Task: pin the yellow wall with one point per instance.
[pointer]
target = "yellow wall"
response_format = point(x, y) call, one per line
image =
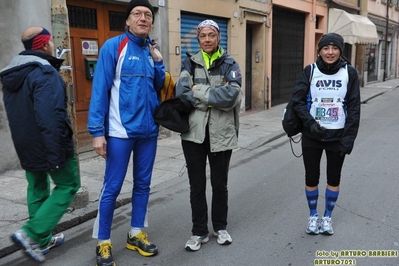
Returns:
point(218, 8)
point(239, 14)
point(259, 16)
point(312, 9)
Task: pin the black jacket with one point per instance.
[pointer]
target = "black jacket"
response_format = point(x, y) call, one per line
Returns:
point(35, 102)
point(345, 137)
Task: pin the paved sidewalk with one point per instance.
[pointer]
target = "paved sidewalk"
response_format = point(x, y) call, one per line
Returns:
point(256, 129)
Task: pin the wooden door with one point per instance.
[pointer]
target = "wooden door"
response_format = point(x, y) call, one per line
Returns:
point(91, 24)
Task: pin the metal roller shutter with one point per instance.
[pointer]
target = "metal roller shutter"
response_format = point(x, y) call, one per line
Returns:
point(287, 57)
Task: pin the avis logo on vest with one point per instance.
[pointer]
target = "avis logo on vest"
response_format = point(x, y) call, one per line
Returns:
point(329, 83)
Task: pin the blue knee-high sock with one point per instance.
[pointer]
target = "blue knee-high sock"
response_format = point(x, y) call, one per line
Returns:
point(312, 197)
point(331, 198)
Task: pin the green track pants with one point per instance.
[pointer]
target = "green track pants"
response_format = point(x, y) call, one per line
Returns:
point(47, 207)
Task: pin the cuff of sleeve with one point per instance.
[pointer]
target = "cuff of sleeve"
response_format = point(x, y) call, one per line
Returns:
point(97, 134)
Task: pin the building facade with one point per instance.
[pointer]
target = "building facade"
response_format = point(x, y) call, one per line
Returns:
point(382, 57)
point(271, 40)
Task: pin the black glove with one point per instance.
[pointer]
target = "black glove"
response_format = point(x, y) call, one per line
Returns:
point(342, 150)
point(317, 131)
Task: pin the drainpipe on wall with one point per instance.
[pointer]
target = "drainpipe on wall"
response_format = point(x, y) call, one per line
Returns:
point(266, 94)
point(386, 42)
point(313, 18)
point(360, 55)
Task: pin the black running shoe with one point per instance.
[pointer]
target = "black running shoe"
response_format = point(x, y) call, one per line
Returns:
point(140, 243)
point(104, 254)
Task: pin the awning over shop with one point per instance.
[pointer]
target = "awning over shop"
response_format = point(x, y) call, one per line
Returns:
point(353, 28)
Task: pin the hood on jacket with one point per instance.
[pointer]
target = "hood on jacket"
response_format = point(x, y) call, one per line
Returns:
point(13, 75)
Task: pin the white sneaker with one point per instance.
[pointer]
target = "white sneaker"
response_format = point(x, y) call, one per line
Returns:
point(223, 237)
point(56, 240)
point(31, 248)
point(326, 226)
point(313, 225)
point(194, 243)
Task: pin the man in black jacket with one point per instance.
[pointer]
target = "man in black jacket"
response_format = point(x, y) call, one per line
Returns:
point(35, 102)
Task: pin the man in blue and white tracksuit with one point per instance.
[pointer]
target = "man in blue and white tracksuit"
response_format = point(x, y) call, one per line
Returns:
point(127, 80)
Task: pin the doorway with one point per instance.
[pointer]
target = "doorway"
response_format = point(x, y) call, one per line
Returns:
point(288, 52)
point(91, 24)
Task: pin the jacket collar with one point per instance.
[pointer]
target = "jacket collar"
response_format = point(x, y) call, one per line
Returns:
point(199, 59)
point(139, 41)
point(55, 62)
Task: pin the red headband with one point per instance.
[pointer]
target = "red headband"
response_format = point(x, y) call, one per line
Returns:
point(39, 41)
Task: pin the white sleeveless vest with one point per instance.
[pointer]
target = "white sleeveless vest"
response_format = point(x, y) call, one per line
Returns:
point(327, 94)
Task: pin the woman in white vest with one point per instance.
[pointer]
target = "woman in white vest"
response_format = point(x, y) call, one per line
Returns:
point(327, 99)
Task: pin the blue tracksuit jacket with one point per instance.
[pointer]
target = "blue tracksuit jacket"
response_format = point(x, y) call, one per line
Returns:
point(125, 89)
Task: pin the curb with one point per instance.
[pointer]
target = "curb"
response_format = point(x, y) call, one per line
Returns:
point(66, 225)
